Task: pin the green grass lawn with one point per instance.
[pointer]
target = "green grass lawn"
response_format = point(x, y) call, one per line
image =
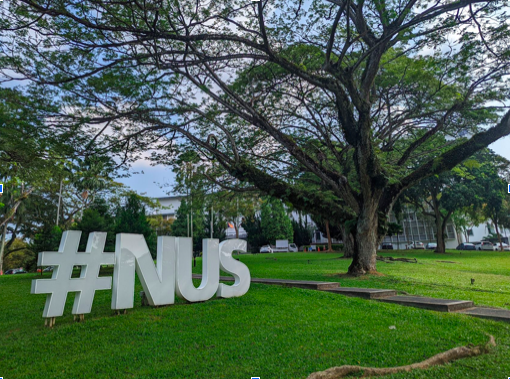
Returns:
point(491, 271)
point(271, 332)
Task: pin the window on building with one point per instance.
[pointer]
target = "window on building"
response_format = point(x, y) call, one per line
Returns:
point(450, 232)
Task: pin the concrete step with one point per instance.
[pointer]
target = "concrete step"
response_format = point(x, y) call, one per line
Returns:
point(365, 293)
point(284, 282)
point(440, 305)
point(490, 313)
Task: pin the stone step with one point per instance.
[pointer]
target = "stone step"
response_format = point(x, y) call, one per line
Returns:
point(490, 313)
point(284, 282)
point(365, 293)
point(440, 305)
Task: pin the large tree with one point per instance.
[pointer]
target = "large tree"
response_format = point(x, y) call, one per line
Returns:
point(349, 91)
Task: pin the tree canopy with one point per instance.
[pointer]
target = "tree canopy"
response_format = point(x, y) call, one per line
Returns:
point(349, 92)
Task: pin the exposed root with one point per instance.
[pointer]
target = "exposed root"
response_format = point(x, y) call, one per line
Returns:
point(438, 359)
point(391, 259)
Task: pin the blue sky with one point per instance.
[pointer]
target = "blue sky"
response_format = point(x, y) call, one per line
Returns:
point(155, 181)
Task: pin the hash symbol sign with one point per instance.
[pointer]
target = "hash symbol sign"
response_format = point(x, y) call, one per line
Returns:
point(65, 259)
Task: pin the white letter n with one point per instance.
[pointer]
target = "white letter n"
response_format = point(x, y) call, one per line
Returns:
point(131, 252)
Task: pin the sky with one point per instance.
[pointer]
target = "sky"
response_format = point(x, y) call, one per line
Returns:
point(147, 180)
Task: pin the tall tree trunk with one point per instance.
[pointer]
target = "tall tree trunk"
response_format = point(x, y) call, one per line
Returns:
point(366, 239)
point(330, 246)
point(441, 248)
point(499, 235)
point(348, 240)
point(2, 247)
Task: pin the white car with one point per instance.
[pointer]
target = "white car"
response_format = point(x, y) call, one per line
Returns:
point(497, 247)
point(266, 249)
point(417, 245)
point(486, 245)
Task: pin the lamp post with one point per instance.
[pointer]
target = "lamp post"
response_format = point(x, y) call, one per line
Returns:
point(59, 201)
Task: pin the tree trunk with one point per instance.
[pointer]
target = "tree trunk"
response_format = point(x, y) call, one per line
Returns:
point(348, 240)
point(499, 235)
point(440, 249)
point(330, 246)
point(2, 247)
point(366, 240)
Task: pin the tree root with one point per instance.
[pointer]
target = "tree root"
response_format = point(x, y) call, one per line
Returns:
point(438, 359)
point(391, 259)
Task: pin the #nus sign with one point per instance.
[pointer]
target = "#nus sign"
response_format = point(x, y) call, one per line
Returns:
point(171, 275)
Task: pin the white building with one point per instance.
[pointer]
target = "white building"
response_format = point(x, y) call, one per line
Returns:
point(420, 228)
point(480, 232)
point(169, 206)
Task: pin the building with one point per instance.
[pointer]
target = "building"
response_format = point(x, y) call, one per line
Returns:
point(420, 228)
point(483, 231)
point(169, 206)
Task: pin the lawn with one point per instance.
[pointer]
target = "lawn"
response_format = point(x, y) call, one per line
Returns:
point(271, 332)
point(429, 277)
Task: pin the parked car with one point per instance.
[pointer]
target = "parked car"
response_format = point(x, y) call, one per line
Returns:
point(497, 246)
point(466, 246)
point(266, 249)
point(431, 246)
point(13, 271)
point(293, 247)
point(477, 245)
point(48, 269)
point(486, 245)
point(417, 245)
point(387, 246)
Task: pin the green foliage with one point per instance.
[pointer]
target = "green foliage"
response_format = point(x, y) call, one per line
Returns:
point(160, 225)
point(181, 227)
point(48, 239)
point(274, 221)
point(17, 255)
point(132, 218)
point(256, 237)
point(97, 218)
point(302, 232)
point(394, 229)
point(219, 223)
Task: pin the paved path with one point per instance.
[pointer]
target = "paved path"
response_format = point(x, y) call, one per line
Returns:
point(389, 296)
